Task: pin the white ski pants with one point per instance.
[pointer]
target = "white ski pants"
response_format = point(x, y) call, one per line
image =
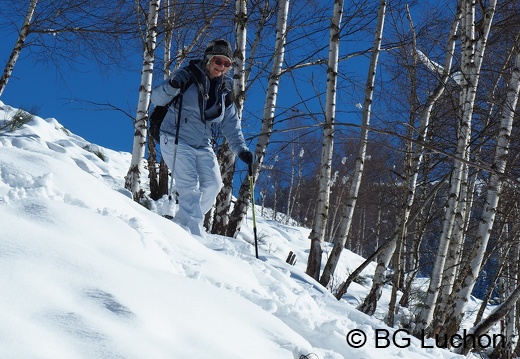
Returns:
point(197, 181)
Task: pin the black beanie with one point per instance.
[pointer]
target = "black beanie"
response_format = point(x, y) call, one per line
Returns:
point(218, 47)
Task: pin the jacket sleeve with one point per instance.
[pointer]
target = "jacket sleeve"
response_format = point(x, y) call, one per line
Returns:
point(163, 93)
point(232, 130)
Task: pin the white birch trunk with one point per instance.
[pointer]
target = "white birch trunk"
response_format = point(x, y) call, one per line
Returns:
point(453, 258)
point(321, 214)
point(22, 36)
point(225, 155)
point(348, 209)
point(167, 60)
point(494, 317)
point(168, 37)
point(244, 197)
point(412, 176)
point(159, 176)
point(453, 267)
point(133, 177)
point(409, 192)
point(493, 191)
point(239, 74)
point(510, 328)
point(471, 64)
point(507, 284)
point(291, 184)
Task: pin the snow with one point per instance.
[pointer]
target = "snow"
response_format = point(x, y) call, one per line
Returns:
point(438, 68)
point(88, 273)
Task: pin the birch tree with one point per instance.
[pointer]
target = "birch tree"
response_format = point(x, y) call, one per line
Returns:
point(472, 57)
point(268, 116)
point(67, 33)
point(506, 311)
point(505, 284)
point(455, 264)
point(159, 177)
point(224, 222)
point(493, 318)
point(494, 187)
point(317, 234)
point(408, 174)
point(290, 198)
point(225, 155)
point(412, 165)
point(348, 209)
point(167, 61)
point(133, 177)
point(510, 282)
point(22, 36)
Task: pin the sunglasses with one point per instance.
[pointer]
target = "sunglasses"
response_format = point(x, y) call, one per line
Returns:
point(221, 62)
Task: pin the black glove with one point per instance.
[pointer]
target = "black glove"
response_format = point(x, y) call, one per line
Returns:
point(179, 78)
point(247, 157)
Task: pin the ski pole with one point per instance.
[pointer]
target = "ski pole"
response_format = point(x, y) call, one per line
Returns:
point(173, 167)
point(176, 143)
point(251, 188)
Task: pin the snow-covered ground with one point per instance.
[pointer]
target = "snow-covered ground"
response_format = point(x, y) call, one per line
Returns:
point(85, 272)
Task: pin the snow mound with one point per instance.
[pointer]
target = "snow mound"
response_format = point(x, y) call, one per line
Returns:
point(88, 273)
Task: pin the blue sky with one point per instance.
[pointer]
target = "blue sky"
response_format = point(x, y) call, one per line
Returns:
point(67, 95)
point(62, 96)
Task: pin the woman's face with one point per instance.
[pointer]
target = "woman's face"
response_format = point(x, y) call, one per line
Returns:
point(218, 66)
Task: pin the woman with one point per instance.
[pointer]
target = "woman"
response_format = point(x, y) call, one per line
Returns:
point(206, 99)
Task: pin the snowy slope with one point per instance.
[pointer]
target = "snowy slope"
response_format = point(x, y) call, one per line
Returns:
point(88, 273)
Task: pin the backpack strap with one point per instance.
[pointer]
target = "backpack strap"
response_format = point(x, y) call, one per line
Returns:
point(229, 99)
